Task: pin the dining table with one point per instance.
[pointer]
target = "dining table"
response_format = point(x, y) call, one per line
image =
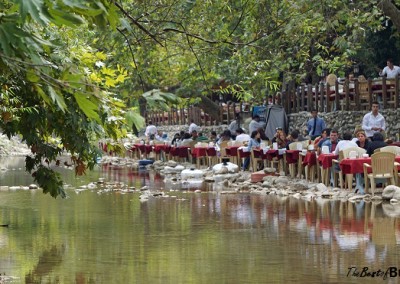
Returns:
point(355, 166)
point(293, 158)
point(325, 162)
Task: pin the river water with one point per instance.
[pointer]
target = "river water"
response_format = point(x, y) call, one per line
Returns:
point(188, 237)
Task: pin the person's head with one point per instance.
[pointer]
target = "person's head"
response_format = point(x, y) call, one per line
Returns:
point(294, 134)
point(334, 135)
point(256, 117)
point(326, 132)
point(389, 63)
point(194, 134)
point(213, 134)
point(237, 116)
point(314, 113)
point(361, 136)
point(150, 122)
point(347, 135)
point(192, 120)
point(226, 135)
point(375, 108)
point(239, 131)
point(255, 134)
point(377, 136)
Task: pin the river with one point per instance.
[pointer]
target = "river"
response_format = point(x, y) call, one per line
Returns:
point(188, 237)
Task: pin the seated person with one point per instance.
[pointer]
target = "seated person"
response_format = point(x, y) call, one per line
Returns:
point(213, 137)
point(176, 138)
point(293, 137)
point(194, 135)
point(321, 139)
point(332, 141)
point(253, 143)
point(263, 137)
point(241, 136)
point(280, 138)
point(362, 140)
point(376, 143)
point(202, 138)
point(345, 143)
point(225, 136)
point(161, 136)
point(187, 140)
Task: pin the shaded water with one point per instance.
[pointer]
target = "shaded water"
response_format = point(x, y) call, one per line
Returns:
point(189, 237)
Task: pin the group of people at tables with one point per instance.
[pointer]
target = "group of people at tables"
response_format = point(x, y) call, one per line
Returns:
point(370, 136)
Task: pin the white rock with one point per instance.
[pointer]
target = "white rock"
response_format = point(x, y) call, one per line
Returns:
point(232, 168)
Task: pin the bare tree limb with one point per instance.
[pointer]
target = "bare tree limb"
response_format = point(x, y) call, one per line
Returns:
point(119, 6)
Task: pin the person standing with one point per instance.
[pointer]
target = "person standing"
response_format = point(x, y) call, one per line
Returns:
point(255, 124)
point(151, 130)
point(234, 125)
point(192, 126)
point(373, 122)
point(390, 71)
point(315, 125)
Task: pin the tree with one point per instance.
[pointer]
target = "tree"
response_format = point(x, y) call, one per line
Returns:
point(55, 88)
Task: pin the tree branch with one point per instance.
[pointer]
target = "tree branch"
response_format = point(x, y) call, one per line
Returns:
point(390, 10)
point(119, 6)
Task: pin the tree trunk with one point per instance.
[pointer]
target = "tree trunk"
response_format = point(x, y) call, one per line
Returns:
point(210, 107)
point(390, 10)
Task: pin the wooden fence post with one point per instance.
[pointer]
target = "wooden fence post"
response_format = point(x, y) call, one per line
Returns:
point(384, 92)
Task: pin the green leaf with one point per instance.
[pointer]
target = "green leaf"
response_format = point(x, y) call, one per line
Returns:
point(42, 94)
point(34, 9)
point(134, 118)
point(32, 77)
point(63, 18)
point(87, 106)
point(58, 98)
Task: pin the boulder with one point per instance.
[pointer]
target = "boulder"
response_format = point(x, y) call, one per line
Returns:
point(232, 168)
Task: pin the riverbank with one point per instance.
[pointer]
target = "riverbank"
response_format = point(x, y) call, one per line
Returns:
point(13, 146)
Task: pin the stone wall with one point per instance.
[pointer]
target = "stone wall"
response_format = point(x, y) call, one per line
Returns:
point(341, 120)
point(347, 120)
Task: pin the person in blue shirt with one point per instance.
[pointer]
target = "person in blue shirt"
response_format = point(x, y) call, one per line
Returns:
point(332, 141)
point(254, 142)
point(315, 125)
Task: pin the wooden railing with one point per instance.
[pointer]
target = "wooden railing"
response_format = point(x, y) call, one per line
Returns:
point(227, 113)
point(350, 95)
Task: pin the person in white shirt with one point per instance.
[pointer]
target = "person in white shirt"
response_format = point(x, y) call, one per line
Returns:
point(235, 124)
point(255, 124)
point(345, 143)
point(373, 121)
point(390, 71)
point(151, 130)
point(241, 136)
point(192, 126)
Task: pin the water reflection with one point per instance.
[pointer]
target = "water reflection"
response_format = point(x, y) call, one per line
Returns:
point(191, 238)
